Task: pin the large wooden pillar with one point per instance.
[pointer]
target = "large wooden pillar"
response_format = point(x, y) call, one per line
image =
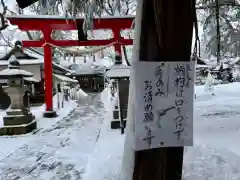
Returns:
point(48, 73)
point(163, 33)
point(117, 37)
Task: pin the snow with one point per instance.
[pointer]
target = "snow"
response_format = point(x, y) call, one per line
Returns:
point(64, 18)
point(215, 155)
point(65, 78)
point(104, 62)
point(15, 142)
point(24, 62)
point(81, 94)
point(114, 73)
point(79, 143)
point(2, 113)
point(89, 61)
point(15, 72)
point(108, 162)
point(31, 79)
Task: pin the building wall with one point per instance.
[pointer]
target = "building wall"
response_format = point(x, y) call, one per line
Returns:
point(35, 69)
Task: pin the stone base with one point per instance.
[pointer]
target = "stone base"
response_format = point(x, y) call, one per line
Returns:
point(50, 114)
point(116, 114)
point(116, 124)
point(18, 129)
point(17, 119)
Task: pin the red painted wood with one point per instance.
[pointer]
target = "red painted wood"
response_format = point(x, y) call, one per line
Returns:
point(48, 73)
point(28, 23)
point(117, 37)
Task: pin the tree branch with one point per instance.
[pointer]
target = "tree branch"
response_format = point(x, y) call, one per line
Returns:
point(214, 6)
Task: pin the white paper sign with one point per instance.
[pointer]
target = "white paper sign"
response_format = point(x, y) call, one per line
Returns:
point(164, 104)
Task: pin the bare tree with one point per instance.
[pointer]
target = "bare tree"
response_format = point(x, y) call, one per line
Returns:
point(126, 7)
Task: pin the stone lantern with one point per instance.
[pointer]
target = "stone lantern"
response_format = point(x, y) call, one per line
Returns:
point(18, 119)
point(120, 74)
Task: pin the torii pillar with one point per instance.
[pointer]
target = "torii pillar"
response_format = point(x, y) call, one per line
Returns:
point(49, 112)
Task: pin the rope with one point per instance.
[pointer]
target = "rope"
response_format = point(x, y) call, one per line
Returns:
point(131, 28)
point(78, 51)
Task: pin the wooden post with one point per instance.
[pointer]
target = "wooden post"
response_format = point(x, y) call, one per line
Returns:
point(74, 58)
point(163, 33)
point(58, 90)
point(218, 32)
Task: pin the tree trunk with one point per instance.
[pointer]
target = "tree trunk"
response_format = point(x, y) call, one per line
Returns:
point(163, 32)
point(218, 35)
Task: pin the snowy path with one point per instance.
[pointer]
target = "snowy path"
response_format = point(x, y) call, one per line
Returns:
point(59, 152)
point(82, 146)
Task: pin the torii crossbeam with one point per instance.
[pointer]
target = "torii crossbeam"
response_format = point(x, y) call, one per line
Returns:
point(47, 24)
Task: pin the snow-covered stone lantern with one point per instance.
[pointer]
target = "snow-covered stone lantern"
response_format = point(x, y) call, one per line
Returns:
point(18, 119)
point(119, 75)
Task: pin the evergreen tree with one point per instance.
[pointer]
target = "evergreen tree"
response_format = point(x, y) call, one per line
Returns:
point(229, 16)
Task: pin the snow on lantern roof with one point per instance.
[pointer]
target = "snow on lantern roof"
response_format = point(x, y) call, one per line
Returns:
point(14, 70)
point(118, 66)
point(24, 62)
point(118, 73)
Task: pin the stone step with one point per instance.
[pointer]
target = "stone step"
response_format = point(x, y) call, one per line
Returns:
point(19, 129)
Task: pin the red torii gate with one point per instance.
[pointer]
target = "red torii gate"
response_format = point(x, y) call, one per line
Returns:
point(46, 24)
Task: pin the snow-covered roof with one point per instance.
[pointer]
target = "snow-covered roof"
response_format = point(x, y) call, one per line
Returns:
point(61, 67)
point(89, 69)
point(118, 73)
point(118, 70)
point(103, 62)
point(224, 66)
point(65, 78)
point(28, 51)
point(23, 62)
point(31, 79)
point(235, 61)
point(199, 66)
point(119, 66)
point(15, 72)
point(36, 57)
point(63, 17)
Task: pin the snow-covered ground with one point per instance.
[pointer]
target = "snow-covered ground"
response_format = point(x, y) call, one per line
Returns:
point(216, 151)
point(82, 145)
point(11, 144)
